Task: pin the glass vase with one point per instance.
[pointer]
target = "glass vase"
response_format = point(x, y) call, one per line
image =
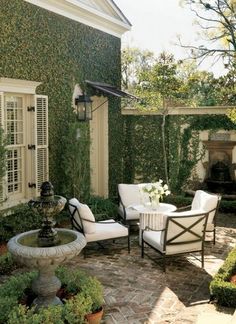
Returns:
point(155, 201)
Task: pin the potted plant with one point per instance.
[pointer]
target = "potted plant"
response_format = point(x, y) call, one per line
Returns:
point(89, 286)
point(92, 288)
point(86, 296)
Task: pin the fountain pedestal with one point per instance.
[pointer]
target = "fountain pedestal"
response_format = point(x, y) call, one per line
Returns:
point(24, 249)
point(46, 248)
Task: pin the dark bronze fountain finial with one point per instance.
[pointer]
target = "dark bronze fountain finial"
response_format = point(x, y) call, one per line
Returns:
point(46, 189)
point(47, 205)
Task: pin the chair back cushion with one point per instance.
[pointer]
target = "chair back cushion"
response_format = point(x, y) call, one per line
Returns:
point(206, 202)
point(185, 233)
point(131, 194)
point(87, 219)
point(82, 215)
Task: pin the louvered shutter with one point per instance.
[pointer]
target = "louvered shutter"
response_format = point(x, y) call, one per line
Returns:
point(2, 181)
point(40, 160)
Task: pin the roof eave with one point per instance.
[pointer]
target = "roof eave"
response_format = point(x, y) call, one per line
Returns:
point(86, 15)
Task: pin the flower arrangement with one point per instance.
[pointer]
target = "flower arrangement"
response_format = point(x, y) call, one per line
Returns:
point(156, 191)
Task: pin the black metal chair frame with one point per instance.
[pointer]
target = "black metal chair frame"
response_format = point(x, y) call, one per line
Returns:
point(80, 228)
point(170, 242)
point(188, 207)
point(124, 220)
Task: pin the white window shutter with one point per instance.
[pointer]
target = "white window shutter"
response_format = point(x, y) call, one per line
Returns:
point(1, 109)
point(40, 162)
point(2, 181)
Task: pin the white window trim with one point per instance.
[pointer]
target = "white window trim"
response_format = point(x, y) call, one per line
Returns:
point(28, 89)
point(18, 86)
point(87, 15)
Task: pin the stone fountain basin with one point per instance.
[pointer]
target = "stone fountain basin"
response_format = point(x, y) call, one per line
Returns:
point(39, 257)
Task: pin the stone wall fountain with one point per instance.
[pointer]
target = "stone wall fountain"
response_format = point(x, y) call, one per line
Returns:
point(46, 248)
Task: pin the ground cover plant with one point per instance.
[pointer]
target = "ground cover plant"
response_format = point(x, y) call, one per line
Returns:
point(82, 294)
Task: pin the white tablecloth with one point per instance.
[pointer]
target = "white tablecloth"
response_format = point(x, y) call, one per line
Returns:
point(153, 218)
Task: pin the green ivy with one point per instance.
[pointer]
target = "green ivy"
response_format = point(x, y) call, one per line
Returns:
point(39, 45)
point(142, 153)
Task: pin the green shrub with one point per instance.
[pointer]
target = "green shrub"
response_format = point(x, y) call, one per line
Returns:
point(102, 208)
point(221, 289)
point(76, 308)
point(88, 297)
point(79, 281)
point(178, 201)
point(7, 264)
point(21, 219)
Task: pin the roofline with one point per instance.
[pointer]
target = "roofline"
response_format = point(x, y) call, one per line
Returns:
point(86, 15)
point(121, 13)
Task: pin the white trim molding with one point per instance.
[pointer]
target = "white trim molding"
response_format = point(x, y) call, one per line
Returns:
point(207, 110)
point(18, 86)
point(110, 21)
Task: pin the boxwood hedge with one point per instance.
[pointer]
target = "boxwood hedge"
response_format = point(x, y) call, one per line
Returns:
point(221, 289)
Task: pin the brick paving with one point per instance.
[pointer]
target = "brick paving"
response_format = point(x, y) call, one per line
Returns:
point(137, 291)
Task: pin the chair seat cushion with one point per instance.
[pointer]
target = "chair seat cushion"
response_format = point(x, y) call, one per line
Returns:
point(131, 214)
point(105, 231)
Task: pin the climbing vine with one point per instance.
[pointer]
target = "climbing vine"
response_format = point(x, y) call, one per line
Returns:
point(143, 143)
point(39, 45)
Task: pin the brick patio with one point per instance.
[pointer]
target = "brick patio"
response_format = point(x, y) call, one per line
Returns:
point(137, 290)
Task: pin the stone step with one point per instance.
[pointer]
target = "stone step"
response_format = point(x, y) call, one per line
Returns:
point(216, 318)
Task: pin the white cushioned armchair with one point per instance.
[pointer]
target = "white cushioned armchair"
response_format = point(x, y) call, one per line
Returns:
point(208, 202)
point(129, 196)
point(83, 220)
point(184, 233)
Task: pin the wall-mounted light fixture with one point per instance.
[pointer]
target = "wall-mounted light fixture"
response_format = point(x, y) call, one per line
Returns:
point(83, 103)
point(83, 107)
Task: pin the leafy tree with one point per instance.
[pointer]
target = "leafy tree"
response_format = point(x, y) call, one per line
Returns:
point(217, 21)
point(134, 61)
point(157, 87)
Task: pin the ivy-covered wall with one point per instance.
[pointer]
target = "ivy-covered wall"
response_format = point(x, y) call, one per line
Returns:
point(38, 45)
point(143, 154)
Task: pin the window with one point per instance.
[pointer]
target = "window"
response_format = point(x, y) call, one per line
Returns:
point(24, 119)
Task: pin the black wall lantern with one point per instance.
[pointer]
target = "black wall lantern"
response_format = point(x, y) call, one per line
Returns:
point(83, 103)
point(83, 107)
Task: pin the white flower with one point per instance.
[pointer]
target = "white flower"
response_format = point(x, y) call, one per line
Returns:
point(156, 190)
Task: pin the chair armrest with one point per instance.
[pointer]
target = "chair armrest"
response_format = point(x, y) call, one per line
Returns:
point(184, 208)
point(107, 222)
point(123, 206)
point(88, 220)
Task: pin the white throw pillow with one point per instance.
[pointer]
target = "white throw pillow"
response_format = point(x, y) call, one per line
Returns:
point(87, 215)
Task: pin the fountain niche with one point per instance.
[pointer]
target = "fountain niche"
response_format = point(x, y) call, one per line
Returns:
point(44, 249)
point(220, 176)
